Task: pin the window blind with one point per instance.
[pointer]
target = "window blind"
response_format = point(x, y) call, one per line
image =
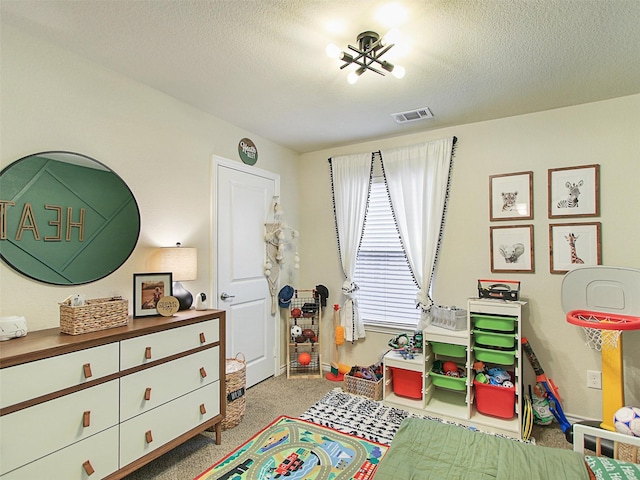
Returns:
point(387, 291)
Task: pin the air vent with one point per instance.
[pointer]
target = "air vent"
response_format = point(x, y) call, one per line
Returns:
point(412, 115)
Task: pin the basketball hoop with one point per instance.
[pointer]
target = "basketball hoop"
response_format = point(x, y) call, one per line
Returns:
point(602, 329)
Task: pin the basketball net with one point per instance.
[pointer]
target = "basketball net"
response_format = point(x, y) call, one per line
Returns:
point(597, 338)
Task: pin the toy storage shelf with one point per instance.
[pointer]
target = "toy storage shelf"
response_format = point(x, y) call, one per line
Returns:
point(497, 323)
point(456, 399)
point(448, 397)
point(308, 341)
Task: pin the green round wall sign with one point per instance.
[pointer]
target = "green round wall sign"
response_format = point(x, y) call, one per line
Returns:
point(248, 151)
point(65, 218)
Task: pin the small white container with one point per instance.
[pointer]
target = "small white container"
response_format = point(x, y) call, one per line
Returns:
point(12, 327)
point(451, 318)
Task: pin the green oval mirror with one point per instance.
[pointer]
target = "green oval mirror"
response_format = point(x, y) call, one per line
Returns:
point(65, 218)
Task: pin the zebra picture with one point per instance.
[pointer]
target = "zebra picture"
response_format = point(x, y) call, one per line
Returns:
point(572, 199)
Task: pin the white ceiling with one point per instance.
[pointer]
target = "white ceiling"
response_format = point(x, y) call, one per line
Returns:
point(261, 65)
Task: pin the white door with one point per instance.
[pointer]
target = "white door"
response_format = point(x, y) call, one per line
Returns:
point(244, 202)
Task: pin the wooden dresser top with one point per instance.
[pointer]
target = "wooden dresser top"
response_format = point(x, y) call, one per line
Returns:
point(51, 342)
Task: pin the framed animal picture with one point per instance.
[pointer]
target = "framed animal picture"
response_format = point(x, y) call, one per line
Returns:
point(572, 245)
point(510, 196)
point(574, 191)
point(512, 249)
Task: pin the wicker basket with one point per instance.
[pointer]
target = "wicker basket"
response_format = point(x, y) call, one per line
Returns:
point(360, 386)
point(96, 314)
point(627, 453)
point(236, 379)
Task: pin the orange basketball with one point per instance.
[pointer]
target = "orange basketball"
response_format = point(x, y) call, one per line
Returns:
point(304, 359)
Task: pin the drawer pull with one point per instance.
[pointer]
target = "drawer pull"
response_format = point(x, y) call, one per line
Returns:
point(88, 468)
point(203, 410)
point(86, 419)
point(86, 368)
point(147, 353)
point(202, 338)
point(148, 436)
point(203, 372)
point(147, 394)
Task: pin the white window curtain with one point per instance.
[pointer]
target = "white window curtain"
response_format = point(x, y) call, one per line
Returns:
point(351, 181)
point(417, 178)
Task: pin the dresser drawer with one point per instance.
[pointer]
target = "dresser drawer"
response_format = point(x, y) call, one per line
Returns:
point(144, 433)
point(148, 348)
point(147, 389)
point(100, 450)
point(56, 373)
point(37, 431)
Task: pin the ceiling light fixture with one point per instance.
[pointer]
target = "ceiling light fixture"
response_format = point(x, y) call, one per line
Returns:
point(369, 50)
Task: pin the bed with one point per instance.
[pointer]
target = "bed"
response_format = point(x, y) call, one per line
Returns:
point(431, 450)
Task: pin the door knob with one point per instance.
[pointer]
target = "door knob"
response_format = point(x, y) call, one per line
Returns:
point(226, 296)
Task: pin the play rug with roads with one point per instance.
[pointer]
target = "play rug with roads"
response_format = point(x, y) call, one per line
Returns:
point(296, 449)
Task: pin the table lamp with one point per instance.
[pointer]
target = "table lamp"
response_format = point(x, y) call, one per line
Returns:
point(182, 262)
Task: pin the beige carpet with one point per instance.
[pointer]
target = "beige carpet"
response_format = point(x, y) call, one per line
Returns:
point(265, 402)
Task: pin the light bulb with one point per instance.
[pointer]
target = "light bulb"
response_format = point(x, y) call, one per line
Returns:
point(352, 78)
point(333, 51)
point(398, 71)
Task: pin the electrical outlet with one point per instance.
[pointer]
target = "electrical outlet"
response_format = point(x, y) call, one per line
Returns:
point(594, 379)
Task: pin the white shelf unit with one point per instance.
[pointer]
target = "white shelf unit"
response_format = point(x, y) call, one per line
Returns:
point(459, 405)
point(512, 310)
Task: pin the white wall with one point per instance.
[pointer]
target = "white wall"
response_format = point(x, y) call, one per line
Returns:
point(54, 100)
point(606, 133)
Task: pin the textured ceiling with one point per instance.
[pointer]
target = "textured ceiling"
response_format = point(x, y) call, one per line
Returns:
point(261, 65)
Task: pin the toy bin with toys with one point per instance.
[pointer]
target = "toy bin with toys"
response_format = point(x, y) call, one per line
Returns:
point(496, 400)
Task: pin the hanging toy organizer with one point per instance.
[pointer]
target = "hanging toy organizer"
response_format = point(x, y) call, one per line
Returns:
point(604, 302)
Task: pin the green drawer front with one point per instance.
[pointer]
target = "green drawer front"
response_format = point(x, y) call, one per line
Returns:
point(501, 357)
point(448, 349)
point(493, 322)
point(450, 383)
point(493, 339)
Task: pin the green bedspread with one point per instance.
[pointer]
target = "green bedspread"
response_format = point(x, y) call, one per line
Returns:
point(431, 450)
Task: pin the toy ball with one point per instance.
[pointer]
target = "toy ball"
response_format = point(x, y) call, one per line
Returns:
point(304, 359)
point(296, 313)
point(450, 367)
point(627, 421)
point(507, 384)
point(296, 330)
point(308, 333)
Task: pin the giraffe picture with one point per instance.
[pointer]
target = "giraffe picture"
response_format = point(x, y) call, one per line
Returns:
point(574, 191)
point(573, 245)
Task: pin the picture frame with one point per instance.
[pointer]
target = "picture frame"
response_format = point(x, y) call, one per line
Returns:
point(511, 249)
point(511, 196)
point(148, 288)
point(574, 244)
point(574, 191)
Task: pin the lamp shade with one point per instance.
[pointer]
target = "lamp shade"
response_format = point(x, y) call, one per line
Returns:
point(182, 262)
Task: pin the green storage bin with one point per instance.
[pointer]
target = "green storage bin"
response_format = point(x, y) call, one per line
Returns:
point(450, 383)
point(494, 339)
point(493, 322)
point(448, 349)
point(490, 355)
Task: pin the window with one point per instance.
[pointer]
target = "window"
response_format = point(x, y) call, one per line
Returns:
point(387, 290)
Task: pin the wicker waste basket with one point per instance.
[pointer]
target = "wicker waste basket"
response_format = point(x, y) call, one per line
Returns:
point(236, 379)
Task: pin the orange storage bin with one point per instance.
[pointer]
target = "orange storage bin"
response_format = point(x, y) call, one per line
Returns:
point(407, 383)
point(495, 400)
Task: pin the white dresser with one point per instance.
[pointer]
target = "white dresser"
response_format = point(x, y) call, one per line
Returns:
point(102, 404)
